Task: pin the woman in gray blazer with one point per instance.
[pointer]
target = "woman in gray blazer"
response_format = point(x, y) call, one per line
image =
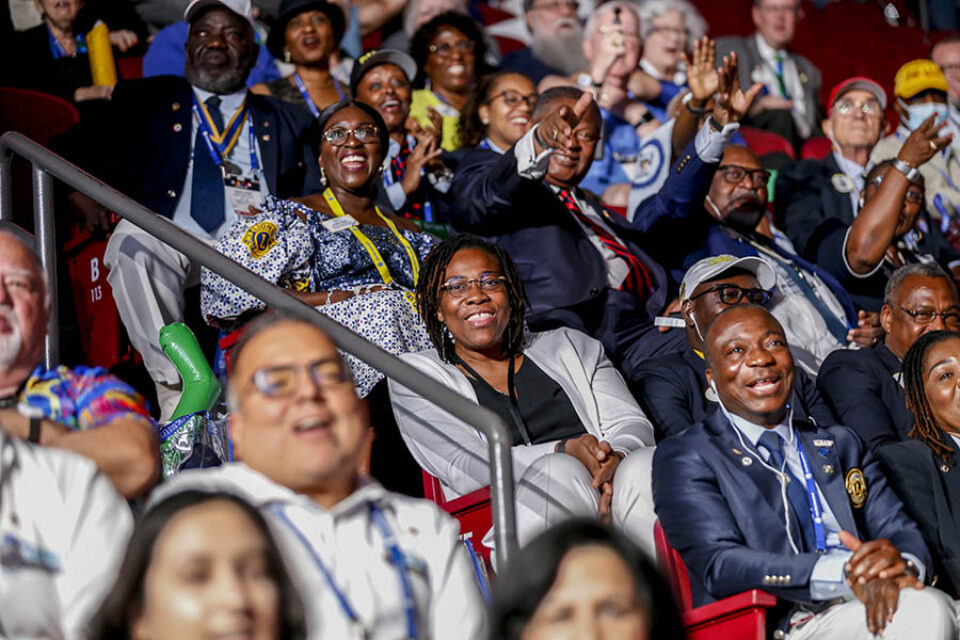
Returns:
point(574, 423)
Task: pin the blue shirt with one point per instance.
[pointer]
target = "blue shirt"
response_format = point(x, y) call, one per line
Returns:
point(166, 56)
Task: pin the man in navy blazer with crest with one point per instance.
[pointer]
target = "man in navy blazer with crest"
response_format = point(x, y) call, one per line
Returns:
point(755, 499)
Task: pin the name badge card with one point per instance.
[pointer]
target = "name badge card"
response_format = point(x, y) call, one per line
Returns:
point(339, 223)
point(243, 192)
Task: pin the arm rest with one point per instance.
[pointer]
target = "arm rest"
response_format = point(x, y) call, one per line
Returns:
point(739, 603)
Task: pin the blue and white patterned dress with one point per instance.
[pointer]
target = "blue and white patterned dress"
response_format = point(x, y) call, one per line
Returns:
point(294, 253)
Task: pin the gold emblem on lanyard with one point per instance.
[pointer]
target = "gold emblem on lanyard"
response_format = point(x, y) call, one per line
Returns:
point(856, 485)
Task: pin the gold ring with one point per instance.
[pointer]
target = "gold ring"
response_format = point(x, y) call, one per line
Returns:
point(556, 134)
point(933, 145)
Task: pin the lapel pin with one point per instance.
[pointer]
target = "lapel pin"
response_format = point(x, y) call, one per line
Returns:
point(944, 468)
point(828, 469)
point(823, 443)
point(736, 451)
point(746, 461)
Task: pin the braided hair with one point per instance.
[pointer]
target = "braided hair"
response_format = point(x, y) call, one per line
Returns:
point(925, 426)
point(431, 278)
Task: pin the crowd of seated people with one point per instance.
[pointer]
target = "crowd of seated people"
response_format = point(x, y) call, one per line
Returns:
point(758, 355)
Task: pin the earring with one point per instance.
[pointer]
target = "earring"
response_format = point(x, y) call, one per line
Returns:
point(286, 56)
point(485, 122)
point(323, 176)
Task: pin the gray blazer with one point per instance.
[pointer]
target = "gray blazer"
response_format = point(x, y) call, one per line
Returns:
point(749, 59)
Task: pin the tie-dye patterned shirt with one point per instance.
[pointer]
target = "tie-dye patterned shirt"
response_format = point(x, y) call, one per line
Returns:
point(79, 398)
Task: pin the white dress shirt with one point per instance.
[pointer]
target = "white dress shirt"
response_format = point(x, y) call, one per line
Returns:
point(351, 546)
point(239, 155)
point(791, 80)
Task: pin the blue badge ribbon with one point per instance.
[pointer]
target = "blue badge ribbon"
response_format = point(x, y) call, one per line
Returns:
point(813, 498)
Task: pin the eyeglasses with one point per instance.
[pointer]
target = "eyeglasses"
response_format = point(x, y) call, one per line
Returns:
point(283, 380)
point(460, 287)
point(558, 6)
point(513, 98)
point(949, 67)
point(913, 195)
point(365, 133)
point(732, 294)
point(780, 10)
point(445, 49)
point(848, 107)
point(951, 318)
point(734, 174)
point(669, 31)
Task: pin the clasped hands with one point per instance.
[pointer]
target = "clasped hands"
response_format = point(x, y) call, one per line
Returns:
point(601, 462)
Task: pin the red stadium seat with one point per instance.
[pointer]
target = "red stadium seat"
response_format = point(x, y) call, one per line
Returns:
point(39, 116)
point(765, 142)
point(473, 511)
point(742, 616)
point(816, 148)
point(131, 67)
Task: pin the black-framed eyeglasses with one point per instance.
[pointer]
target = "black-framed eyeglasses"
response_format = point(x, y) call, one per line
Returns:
point(732, 294)
point(365, 133)
point(283, 380)
point(445, 49)
point(912, 195)
point(512, 98)
point(734, 174)
point(460, 287)
point(950, 317)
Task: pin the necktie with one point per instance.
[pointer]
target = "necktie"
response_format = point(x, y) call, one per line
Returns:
point(778, 70)
point(413, 208)
point(206, 193)
point(796, 494)
point(638, 280)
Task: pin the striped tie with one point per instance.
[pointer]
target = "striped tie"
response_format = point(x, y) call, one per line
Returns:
point(778, 70)
point(638, 280)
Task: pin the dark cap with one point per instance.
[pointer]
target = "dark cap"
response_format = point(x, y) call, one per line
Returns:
point(289, 9)
point(377, 57)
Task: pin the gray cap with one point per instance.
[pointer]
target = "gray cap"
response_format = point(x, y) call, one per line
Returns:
point(240, 7)
point(710, 268)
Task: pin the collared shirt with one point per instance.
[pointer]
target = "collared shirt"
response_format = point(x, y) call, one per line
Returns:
point(827, 581)
point(351, 547)
point(678, 78)
point(791, 80)
point(856, 173)
point(63, 532)
point(240, 156)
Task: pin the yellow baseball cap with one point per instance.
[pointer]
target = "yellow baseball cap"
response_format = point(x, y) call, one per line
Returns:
point(917, 76)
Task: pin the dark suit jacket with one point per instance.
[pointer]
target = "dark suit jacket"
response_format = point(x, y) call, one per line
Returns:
point(748, 57)
point(726, 517)
point(31, 65)
point(861, 389)
point(807, 206)
point(565, 276)
point(523, 61)
point(930, 489)
point(673, 392)
point(147, 157)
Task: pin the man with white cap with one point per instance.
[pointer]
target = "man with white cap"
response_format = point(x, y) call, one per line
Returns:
point(200, 151)
point(810, 194)
point(673, 389)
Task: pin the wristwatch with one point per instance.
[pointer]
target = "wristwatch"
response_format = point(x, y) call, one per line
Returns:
point(586, 81)
point(905, 168)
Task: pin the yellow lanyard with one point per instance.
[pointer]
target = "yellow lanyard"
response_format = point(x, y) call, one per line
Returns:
point(372, 250)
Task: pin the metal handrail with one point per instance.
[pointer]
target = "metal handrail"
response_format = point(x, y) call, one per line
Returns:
point(47, 164)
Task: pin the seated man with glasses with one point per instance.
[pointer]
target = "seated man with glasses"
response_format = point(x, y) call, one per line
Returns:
point(814, 309)
point(865, 387)
point(891, 230)
point(673, 389)
point(369, 563)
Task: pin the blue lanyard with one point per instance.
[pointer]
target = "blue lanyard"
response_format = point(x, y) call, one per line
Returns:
point(394, 552)
point(57, 49)
point(813, 498)
point(219, 152)
point(306, 94)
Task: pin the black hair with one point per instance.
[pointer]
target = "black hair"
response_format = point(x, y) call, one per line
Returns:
point(925, 428)
point(471, 128)
point(545, 99)
point(125, 599)
point(431, 279)
point(533, 570)
point(420, 43)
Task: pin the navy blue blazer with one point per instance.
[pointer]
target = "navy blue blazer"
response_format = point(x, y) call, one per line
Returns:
point(725, 516)
point(673, 392)
point(862, 389)
point(807, 205)
point(564, 274)
point(930, 489)
point(140, 144)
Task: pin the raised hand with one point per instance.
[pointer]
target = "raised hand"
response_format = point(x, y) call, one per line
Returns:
point(924, 142)
point(702, 73)
point(426, 151)
point(557, 127)
point(731, 103)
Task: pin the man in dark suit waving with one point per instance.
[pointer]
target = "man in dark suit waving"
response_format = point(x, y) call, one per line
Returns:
point(582, 266)
point(200, 151)
point(753, 498)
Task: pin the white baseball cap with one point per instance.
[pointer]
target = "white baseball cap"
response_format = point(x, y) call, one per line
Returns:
point(709, 268)
point(242, 8)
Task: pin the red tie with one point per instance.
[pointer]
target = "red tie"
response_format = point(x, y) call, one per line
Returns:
point(638, 280)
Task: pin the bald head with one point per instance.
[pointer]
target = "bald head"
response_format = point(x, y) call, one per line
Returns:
point(24, 310)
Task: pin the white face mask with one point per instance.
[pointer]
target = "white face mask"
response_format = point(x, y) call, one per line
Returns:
point(918, 113)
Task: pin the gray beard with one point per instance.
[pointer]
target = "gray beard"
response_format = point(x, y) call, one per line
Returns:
point(563, 52)
point(221, 83)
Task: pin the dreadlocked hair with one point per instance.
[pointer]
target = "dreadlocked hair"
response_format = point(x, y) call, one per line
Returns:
point(429, 290)
point(925, 427)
